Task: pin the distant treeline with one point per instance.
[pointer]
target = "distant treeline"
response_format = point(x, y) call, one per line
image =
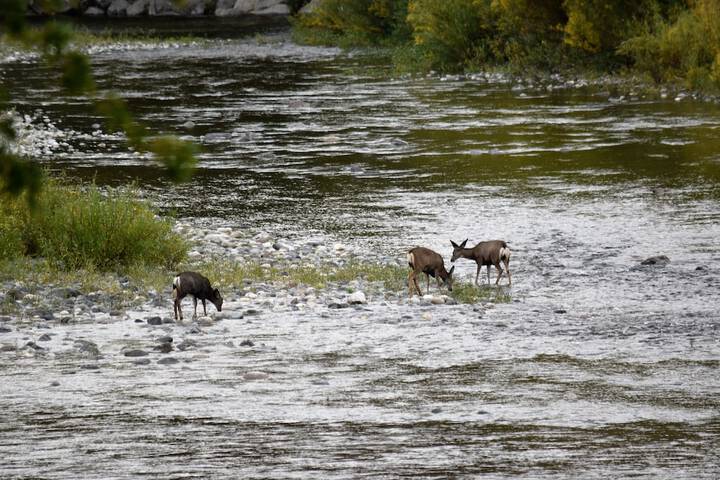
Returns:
point(669, 40)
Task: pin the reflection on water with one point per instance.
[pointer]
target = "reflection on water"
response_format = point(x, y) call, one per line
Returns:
point(596, 369)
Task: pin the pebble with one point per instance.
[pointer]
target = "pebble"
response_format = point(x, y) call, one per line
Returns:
point(186, 345)
point(154, 321)
point(135, 353)
point(247, 343)
point(255, 376)
point(168, 361)
point(656, 260)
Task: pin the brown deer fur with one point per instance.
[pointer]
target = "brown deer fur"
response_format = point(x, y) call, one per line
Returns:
point(485, 253)
point(421, 259)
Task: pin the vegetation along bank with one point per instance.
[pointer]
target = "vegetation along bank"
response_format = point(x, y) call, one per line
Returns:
point(674, 42)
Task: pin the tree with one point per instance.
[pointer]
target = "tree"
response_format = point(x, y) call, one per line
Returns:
point(18, 174)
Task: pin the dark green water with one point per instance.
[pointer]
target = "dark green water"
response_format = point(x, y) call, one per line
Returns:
point(596, 369)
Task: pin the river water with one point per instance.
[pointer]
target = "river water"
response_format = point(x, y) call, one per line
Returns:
point(597, 368)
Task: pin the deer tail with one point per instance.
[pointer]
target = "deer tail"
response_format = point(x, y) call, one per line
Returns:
point(176, 286)
point(505, 253)
point(411, 259)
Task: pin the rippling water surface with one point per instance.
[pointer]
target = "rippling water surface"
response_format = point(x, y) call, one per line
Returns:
point(598, 368)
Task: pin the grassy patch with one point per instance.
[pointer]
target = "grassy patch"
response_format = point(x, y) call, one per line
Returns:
point(469, 293)
point(233, 275)
point(238, 274)
point(75, 228)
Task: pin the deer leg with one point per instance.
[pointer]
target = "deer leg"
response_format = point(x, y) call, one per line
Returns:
point(499, 270)
point(427, 280)
point(507, 269)
point(477, 274)
point(195, 303)
point(410, 280)
point(417, 285)
point(175, 308)
point(204, 309)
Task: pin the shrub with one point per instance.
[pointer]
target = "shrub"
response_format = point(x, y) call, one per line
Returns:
point(453, 34)
point(354, 22)
point(687, 48)
point(601, 26)
point(87, 228)
point(531, 30)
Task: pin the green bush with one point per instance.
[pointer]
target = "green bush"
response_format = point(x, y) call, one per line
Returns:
point(354, 23)
point(601, 26)
point(686, 49)
point(453, 34)
point(77, 228)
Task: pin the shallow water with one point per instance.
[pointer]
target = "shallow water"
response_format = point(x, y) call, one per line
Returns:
point(597, 368)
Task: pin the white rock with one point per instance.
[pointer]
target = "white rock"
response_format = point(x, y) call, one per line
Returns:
point(256, 376)
point(356, 298)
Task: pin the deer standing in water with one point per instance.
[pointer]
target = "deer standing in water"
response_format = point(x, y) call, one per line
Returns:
point(192, 283)
point(485, 253)
point(430, 263)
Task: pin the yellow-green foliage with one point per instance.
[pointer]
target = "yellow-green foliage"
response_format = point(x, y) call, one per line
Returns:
point(669, 39)
point(452, 33)
point(233, 274)
point(74, 228)
point(352, 23)
point(530, 20)
point(601, 25)
point(686, 49)
point(469, 293)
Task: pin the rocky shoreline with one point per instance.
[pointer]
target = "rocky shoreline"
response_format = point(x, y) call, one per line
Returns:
point(87, 328)
point(135, 8)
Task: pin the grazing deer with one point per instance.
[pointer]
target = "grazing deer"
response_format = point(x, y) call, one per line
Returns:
point(485, 253)
point(192, 283)
point(430, 263)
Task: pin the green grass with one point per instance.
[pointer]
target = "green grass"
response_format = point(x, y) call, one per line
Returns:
point(236, 275)
point(469, 293)
point(89, 238)
point(85, 228)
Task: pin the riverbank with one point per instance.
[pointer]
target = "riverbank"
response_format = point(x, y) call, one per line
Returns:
point(257, 275)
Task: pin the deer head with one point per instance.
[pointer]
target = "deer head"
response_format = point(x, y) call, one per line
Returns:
point(457, 250)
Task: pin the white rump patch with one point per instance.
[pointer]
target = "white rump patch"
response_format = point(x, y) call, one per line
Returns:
point(176, 282)
point(505, 253)
point(411, 259)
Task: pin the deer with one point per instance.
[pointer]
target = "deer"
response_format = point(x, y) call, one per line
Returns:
point(485, 253)
point(421, 259)
point(192, 283)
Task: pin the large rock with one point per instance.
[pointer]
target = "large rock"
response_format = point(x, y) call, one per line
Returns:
point(657, 260)
point(94, 12)
point(118, 8)
point(228, 8)
point(139, 7)
point(198, 7)
point(163, 8)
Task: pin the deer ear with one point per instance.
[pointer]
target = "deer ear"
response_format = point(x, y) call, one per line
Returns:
point(455, 245)
point(462, 245)
point(451, 270)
